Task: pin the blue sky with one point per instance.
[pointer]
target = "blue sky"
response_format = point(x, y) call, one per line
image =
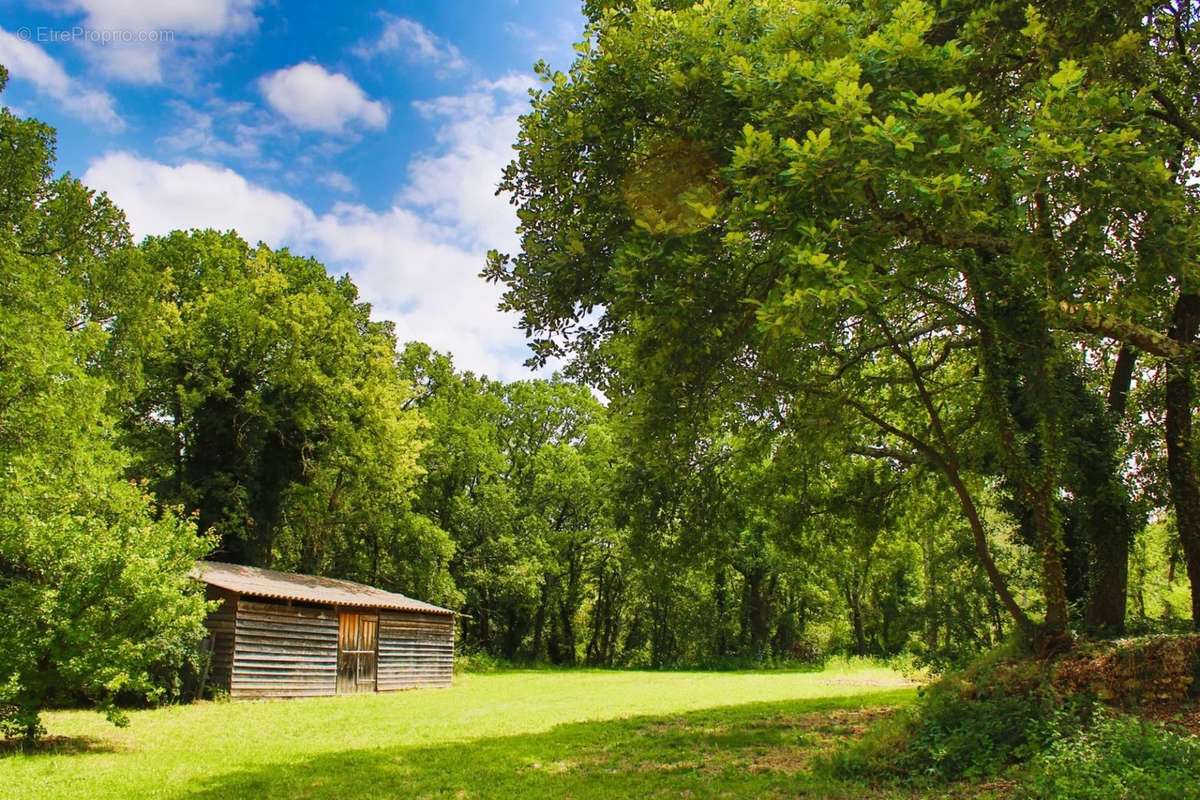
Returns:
point(367, 134)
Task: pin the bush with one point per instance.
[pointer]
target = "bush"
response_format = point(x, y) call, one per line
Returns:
point(96, 604)
point(1118, 758)
point(948, 736)
point(998, 711)
point(1006, 709)
point(478, 662)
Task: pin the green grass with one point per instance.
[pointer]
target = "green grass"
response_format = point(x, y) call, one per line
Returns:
point(527, 734)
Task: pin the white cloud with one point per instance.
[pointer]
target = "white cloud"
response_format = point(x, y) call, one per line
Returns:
point(312, 98)
point(134, 38)
point(188, 17)
point(457, 184)
point(414, 42)
point(416, 273)
point(26, 61)
point(413, 271)
point(417, 262)
point(158, 198)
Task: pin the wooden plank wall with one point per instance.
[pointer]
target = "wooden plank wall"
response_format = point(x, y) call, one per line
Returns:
point(284, 651)
point(415, 650)
point(220, 624)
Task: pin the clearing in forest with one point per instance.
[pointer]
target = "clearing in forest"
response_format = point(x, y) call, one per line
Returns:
point(528, 734)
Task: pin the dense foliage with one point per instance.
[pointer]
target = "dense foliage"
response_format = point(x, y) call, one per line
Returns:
point(94, 599)
point(889, 305)
point(949, 237)
point(1030, 719)
point(1115, 758)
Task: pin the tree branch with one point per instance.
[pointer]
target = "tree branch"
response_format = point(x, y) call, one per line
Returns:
point(1086, 318)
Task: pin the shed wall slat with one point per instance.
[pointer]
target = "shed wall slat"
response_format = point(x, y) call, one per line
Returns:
point(284, 651)
point(283, 628)
point(415, 650)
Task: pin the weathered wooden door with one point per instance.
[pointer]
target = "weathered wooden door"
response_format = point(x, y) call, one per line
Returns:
point(357, 637)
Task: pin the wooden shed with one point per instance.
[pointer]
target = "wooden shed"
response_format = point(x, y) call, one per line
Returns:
point(278, 634)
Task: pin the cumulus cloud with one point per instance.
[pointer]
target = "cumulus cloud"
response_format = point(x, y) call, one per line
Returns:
point(158, 198)
point(417, 274)
point(26, 61)
point(194, 17)
point(413, 42)
point(152, 32)
point(312, 98)
point(416, 262)
point(456, 184)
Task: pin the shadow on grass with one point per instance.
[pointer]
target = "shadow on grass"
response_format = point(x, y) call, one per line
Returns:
point(754, 750)
point(55, 746)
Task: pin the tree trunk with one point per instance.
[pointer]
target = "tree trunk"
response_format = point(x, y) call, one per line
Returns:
point(930, 615)
point(1024, 389)
point(566, 612)
point(485, 623)
point(539, 622)
point(854, 603)
point(758, 610)
point(946, 460)
point(1181, 463)
point(1103, 505)
point(1054, 577)
point(599, 615)
point(721, 599)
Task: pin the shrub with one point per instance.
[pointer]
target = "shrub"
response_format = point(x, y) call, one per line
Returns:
point(478, 662)
point(947, 736)
point(968, 724)
point(95, 604)
point(1117, 758)
point(1005, 709)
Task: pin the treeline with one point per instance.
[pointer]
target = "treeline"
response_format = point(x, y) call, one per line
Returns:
point(958, 239)
point(194, 396)
point(896, 335)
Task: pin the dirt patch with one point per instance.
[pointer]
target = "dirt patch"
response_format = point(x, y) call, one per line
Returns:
point(895, 682)
point(849, 722)
point(783, 760)
point(816, 730)
point(57, 745)
point(1185, 716)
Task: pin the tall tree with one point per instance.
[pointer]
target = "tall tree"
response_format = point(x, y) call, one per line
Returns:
point(723, 190)
point(273, 408)
point(94, 590)
point(514, 475)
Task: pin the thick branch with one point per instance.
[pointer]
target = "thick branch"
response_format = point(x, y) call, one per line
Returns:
point(1088, 319)
point(970, 510)
point(1122, 377)
point(894, 453)
point(1170, 114)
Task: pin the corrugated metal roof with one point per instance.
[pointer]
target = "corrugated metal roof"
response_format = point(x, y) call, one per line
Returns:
point(259, 582)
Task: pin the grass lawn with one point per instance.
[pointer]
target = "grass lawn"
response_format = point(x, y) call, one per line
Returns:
point(526, 734)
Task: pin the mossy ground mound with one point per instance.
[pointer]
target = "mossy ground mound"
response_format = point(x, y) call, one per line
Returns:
point(1100, 721)
point(1131, 673)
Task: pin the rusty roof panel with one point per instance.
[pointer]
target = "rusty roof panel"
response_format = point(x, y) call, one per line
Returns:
point(258, 582)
